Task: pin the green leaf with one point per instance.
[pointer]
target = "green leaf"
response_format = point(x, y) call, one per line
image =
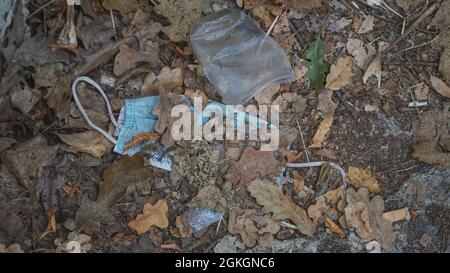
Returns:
point(317, 67)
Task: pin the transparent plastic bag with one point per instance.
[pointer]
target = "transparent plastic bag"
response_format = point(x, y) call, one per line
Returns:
point(200, 218)
point(237, 56)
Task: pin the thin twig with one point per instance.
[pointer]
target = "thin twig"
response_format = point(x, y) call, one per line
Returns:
point(416, 24)
point(318, 164)
point(417, 46)
point(303, 141)
point(40, 8)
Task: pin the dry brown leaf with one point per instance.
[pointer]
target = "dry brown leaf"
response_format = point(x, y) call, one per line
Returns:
point(334, 227)
point(440, 86)
point(365, 217)
point(363, 178)
point(89, 142)
point(101, 56)
point(317, 210)
point(366, 25)
point(170, 79)
point(281, 206)
point(51, 224)
point(265, 96)
point(253, 164)
point(340, 74)
point(361, 53)
point(141, 138)
point(128, 58)
point(322, 131)
point(182, 230)
point(298, 185)
point(334, 196)
point(374, 69)
point(252, 227)
point(152, 215)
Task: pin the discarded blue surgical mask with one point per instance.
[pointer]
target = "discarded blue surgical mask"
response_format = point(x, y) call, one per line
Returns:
point(135, 117)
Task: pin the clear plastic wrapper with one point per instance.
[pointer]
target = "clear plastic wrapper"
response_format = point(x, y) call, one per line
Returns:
point(237, 56)
point(200, 218)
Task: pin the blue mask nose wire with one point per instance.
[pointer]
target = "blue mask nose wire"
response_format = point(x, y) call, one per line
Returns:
point(83, 111)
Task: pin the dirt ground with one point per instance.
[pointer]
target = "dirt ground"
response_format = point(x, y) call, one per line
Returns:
point(63, 188)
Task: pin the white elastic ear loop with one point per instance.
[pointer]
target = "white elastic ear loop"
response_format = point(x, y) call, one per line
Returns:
point(83, 112)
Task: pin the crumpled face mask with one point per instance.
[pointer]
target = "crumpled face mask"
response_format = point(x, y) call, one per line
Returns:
point(135, 117)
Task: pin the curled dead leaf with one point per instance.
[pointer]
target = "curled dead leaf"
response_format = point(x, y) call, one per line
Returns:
point(322, 131)
point(440, 86)
point(363, 178)
point(364, 215)
point(152, 215)
point(89, 142)
point(252, 227)
point(374, 69)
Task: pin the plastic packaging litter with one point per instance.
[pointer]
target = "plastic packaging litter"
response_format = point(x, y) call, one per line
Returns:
point(200, 218)
point(237, 56)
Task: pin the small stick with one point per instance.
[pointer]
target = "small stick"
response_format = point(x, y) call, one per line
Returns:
point(303, 141)
point(40, 8)
point(318, 164)
point(294, 28)
point(113, 24)
point(274, 23)
point(419, 20)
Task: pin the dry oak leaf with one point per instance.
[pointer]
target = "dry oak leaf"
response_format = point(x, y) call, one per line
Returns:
point(374, 69)
point(361, 53)
point(170, 79)
point(365, 216)
point(366, 25)
point(317, 210)
point(281, 206)
point(128, 58)
point(363, 178)
point(182, 230)
point(89, 142)
point(440, 86)
point(340, 74)
point(152, 215)
point(322, 131)
point(252, 227)
point(253, 164)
